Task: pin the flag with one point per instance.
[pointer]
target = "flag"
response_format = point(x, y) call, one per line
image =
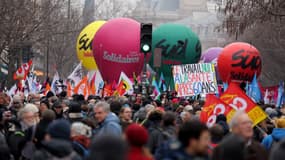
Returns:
point(162, 84)
point(238, 100)
point(23, 71)
point(107, 90)
point(12, 90)
point(266, 97)
point(156, 91)
point(82, 87)
point(120, 90)
point(212, 108)
point(48, 88)
point(225, 86)
point(76, 74)
point(128, 84)
point(91, 82)
point(254, 90)
point(54, 85)
point(280, 95)
point(69, 89)
point(32, 84)
point(99, 83)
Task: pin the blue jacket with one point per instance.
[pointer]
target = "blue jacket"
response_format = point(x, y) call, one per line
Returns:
point(111, 125)
point(277, 134)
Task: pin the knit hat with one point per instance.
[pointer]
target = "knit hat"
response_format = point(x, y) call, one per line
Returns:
point(136, 135)
point(278, 151)
point(75, 110)
point(59, 129)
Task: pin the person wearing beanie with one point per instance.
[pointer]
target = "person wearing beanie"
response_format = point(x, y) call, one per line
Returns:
point(57, 143)
point(75, 111)
point(137, 137)
point(44, 105)
point(80, 136)
point(277, 134)
point(58, 109)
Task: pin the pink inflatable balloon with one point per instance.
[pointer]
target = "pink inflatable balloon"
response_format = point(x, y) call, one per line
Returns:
point(116, 48)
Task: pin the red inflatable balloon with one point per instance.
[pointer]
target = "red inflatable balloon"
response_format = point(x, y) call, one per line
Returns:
point(239, 62)
point(116, 48)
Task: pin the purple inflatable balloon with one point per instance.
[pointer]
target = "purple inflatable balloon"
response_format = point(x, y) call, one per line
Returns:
point(211, 56)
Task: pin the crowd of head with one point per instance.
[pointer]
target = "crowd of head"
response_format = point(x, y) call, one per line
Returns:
point(131, 128)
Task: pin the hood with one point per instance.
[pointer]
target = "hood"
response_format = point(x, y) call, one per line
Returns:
point(278, 133)
point(59, 148)
point(111, 117)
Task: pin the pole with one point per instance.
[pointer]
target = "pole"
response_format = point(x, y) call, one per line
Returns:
point(68, 10)
point(47, 60)
point(144, 78)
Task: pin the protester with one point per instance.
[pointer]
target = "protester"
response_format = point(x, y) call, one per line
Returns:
point(277, 134)
point(80, 136)
point(125, 116)
point(57, 143)
point(194, 138)
point(105, 147)
point(137, 137)
point(278, 151)
point(241, 125)
point(108, 122)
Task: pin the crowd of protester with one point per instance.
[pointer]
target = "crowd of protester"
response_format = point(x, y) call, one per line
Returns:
point(131, 128)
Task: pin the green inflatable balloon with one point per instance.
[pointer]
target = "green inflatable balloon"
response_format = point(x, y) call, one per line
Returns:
point(179, 46)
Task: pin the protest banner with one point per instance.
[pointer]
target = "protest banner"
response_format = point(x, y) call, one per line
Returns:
point(194, 79)
point(212, 108)
point(238, 100)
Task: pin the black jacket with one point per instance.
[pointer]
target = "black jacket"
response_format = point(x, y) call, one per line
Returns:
point(56, 149)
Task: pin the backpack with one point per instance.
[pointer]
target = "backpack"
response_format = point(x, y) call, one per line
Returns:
point(81, 147)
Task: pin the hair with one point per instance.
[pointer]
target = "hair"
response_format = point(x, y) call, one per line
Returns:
point(104, 105)
point(183, 114)
point(28, 108)
point(79, 128)
point(168, 119)
point(48, 115)
point(217, 133)
point(155, 116)
point(234, 120)
point(115, 107)
point(191, 130)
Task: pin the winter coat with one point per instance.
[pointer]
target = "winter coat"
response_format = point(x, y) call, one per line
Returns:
point(56, 149)
point(136, 153)
point(111, 125)
point(277, 135)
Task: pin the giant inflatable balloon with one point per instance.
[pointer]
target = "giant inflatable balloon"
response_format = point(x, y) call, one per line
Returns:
point(84, 45)
point(239, 62)
point(211, 56)
point(116, 48)
point(179, 46)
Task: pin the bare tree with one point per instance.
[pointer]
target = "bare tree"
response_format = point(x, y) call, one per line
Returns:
point(261, 23)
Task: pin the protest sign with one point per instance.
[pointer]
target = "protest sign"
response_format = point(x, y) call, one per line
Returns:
point(193, 79)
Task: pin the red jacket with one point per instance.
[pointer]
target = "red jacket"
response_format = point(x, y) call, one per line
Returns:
point(136, 153)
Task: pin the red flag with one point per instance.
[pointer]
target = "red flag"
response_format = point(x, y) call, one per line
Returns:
point(107, 91)
point(212, 108)
point(23, 71)
point(69, 89)
point(238, 100)
point(47, 89)
point(82, 87)
point(121, 89)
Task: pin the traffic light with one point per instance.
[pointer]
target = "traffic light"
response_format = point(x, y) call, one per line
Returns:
point(146, 37)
